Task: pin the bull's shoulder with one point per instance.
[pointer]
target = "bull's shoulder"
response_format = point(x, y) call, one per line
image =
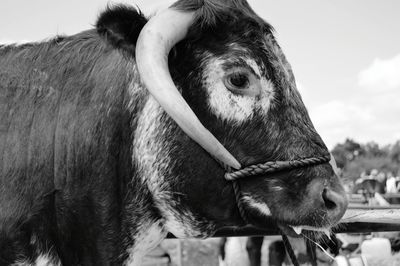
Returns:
point(63, 112)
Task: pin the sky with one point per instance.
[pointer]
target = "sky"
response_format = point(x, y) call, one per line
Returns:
point(345, 54)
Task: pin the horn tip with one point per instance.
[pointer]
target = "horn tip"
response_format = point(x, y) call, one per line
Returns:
point(234, 164)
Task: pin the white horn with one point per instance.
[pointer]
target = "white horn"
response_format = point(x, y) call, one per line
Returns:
point(155, 41)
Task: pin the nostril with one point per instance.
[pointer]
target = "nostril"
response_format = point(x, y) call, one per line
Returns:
point(328, 200)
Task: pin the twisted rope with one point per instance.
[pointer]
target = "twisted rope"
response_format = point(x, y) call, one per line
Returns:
point(238, 197)
point(271, 167)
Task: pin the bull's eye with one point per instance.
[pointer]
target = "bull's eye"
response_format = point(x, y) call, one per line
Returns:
point(242, 82)
point(238, 80)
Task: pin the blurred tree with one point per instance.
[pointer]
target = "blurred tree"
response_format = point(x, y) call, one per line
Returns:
point(354, 158)
point(372, 149)
point(395, 152)
point(346, 152)
point(354, 168)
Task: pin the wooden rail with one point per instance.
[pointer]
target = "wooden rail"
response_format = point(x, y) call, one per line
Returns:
point(375, 214)
point(357, 219)
point(391, 195)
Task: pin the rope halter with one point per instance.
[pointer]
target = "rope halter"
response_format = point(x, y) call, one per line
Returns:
point(271, 167)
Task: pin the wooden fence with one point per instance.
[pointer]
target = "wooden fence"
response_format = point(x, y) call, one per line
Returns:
point(358, 218)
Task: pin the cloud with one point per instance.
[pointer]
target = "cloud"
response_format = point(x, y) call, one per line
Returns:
point(336, 120)
point(367, 112)
point(381, 74)
point(377, 121)
point(338, 113)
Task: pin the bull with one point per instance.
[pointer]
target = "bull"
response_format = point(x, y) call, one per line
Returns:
point(113, 137)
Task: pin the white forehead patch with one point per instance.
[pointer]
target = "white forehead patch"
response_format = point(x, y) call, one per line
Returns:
point(233, 107)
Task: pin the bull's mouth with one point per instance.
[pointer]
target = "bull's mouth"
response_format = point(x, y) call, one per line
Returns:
point(261, 215)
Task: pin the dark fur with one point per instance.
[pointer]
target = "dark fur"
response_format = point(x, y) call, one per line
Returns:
point(65, 151)
point(120, 25)
point(211, 13)
point(66, 133)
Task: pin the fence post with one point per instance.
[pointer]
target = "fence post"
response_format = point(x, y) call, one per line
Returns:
point(179, 253)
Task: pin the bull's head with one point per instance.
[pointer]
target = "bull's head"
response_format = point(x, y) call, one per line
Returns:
point(228, 86)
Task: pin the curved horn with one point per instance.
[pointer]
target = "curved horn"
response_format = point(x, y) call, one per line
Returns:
point(154, 43)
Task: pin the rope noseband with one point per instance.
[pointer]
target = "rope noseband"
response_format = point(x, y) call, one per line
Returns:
point(267, 168)
point(271, 167)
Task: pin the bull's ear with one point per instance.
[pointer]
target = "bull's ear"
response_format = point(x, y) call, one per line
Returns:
point(120, 25)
